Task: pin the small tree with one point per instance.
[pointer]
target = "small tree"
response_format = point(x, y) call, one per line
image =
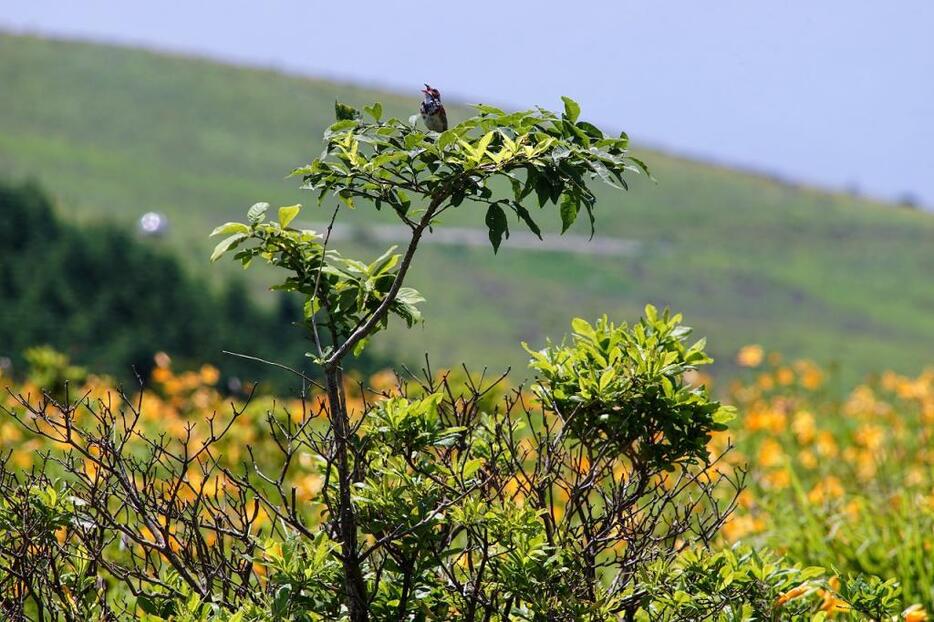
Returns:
point(419, 176)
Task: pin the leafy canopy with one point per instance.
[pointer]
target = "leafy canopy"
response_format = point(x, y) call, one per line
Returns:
point(546, 157)
point(538, 151)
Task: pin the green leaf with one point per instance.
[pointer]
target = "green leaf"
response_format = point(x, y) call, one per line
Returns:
point(343, 112)
point(488, 110)
point(339, 126)
point(471, 467)
point(231, 227)
point(724, 414)
point(642, 165)
point(570, 205)
point(572, 109)
point(346, 197)
point(146, 603)
point(288, 214)
point(582, 327)
point(604, 173)
point(226, 244)
point(257, 213)
point(360, 346)
point(384, 262)
point(386, 158)
point(496, 223)
point(446, 138)
point(480, 150)
point(542, 189)
point(375, 111)
point(524, 215)
point(590, 129)
point(409, 296)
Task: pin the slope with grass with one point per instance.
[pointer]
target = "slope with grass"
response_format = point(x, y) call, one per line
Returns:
point(116, 132)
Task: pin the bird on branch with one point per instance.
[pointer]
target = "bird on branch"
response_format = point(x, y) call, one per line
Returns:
point(433, 113)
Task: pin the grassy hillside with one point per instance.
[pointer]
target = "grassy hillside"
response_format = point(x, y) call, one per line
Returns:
point(117, 132)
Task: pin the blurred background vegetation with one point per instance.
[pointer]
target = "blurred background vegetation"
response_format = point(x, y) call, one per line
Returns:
point(112, 133)
point(110, 301)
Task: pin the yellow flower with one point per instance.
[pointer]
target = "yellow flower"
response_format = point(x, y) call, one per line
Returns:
point(915, 613)
point(309, 486)
point(915, 476)
point(764, 416)
point(750, 356)
point(870, 436)
point(161, 375)
point(804, 427)
point(807, 459)
point(740, 525)
point(209, 374)
point(770, 453)
point(811, 376)
point(826, 445)
point(828, 488)
point(778, 479)
point(865, 465)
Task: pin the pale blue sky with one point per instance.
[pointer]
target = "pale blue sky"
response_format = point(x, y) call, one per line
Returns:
point(833, 92)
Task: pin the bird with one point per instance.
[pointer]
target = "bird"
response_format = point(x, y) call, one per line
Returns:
point(433, 113)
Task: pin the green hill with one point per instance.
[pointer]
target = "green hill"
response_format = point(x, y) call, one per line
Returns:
point(116, 132)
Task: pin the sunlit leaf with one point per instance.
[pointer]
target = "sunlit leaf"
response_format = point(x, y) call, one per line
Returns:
point(287, 214)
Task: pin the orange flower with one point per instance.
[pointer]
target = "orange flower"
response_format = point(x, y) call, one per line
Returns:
point(831, 604)
point(826, 445)
point(778, 479)
point(804, 427)
point(793, 593)
point(807, 459)
point(209, 374)
point(770, 453)
point(739, 526)
point(829, 488)
point(915, 613)
point(750, 356)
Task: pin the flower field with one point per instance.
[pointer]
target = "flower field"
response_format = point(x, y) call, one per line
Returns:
point(840, 478)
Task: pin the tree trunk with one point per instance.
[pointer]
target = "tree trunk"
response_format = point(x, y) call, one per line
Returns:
point(354, 585)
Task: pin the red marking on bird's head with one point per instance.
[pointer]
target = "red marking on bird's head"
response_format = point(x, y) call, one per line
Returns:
point(431, 92)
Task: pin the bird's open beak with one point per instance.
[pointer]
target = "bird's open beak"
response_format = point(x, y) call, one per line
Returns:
point(427, 89)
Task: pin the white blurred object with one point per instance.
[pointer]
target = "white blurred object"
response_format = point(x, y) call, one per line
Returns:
point(153, 223)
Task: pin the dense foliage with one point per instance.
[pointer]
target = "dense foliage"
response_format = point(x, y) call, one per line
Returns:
point(856, 527)
point(110, 301)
